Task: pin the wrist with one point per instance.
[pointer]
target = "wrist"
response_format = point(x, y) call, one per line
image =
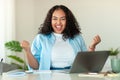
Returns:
point(27, 50)
point(92, 47)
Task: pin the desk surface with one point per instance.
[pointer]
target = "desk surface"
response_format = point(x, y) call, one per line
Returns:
point(50, 75)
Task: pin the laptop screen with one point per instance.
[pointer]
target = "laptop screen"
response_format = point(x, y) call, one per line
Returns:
point(89, 61)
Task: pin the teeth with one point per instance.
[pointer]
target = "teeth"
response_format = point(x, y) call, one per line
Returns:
point(58, 26)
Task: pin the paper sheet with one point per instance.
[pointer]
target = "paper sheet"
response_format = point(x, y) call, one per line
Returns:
point(40, 71)
point(16, 74)
point(98, 75)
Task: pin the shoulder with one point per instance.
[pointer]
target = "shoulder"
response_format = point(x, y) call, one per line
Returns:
point(42, 36)
point(78, 37)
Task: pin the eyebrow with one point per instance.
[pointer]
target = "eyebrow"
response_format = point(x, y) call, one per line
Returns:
point(60, 17)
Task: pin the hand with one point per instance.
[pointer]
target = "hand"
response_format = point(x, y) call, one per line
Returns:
point(25, 45)
point(96, 40)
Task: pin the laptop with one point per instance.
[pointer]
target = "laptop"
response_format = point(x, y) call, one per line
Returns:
point(89, 62)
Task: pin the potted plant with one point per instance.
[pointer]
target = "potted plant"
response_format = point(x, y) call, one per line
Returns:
point(115, 61)
point(15, 48)
point(114, 52)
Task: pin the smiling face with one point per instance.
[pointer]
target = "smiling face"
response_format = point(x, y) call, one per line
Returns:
point(58, 21)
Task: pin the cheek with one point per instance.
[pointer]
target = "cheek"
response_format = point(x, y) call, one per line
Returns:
point(64, 24)
point(52, 23)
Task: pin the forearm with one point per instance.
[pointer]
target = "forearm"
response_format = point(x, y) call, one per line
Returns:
point(31, 60)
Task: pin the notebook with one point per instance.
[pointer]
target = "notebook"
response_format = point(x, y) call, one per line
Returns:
point(89, 62)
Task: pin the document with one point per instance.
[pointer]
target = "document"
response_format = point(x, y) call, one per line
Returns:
point(16, 73)
point(100, 75)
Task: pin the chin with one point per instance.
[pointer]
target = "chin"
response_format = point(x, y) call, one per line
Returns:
point(58, 32)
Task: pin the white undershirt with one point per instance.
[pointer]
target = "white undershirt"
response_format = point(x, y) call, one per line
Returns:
point(62, 53)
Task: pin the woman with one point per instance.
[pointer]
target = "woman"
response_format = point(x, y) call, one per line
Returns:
point(58, 41)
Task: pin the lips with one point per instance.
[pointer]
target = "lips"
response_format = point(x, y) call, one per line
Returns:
point(59, 28)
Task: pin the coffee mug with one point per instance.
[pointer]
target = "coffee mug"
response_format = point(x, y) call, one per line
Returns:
point(115, 65)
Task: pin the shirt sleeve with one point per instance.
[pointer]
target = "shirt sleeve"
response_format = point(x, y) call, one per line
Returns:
point(36, 49)
point(81, 43)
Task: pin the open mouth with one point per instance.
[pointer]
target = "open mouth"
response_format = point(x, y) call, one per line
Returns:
point(58, 28)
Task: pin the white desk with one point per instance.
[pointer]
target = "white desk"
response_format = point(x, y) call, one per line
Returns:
point(54, 76)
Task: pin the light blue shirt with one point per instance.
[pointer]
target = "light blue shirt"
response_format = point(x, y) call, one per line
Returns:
point(42, 46)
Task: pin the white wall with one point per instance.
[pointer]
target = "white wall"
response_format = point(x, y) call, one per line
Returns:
point(7, 24)
point(94, 16)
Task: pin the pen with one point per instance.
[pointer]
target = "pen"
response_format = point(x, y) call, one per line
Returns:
point(108, 72)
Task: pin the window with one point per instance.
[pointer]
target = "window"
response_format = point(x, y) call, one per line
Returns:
point(7, 23)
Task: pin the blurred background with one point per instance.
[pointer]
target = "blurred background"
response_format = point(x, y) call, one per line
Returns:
point(20, 20)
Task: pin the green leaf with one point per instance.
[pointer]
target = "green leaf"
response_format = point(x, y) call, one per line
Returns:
point(13, 46)
point(20, 66)
point(114, 51)
point(16, 58)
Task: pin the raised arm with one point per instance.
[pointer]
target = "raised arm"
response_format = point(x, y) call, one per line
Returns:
point(96, 40)
point(30, 58)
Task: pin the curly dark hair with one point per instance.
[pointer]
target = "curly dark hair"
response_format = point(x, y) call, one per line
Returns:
point(72, 27)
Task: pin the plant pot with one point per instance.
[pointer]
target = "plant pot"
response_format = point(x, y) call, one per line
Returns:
point(115, 65)
point(1, 68)
point(4, 67)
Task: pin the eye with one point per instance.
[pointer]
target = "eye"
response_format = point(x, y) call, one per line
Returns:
point(63, 18)
point(54, 18)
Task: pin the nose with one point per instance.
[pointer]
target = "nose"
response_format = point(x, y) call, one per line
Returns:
point(58, 21)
